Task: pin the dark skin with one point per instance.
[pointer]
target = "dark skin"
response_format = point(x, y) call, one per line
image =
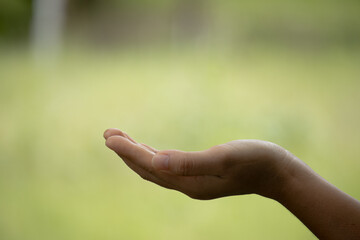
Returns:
point(246, 167)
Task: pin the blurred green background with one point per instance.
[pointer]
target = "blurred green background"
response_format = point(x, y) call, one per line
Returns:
point(174, 74)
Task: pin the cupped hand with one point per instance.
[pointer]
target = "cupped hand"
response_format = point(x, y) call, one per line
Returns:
point(234, 168)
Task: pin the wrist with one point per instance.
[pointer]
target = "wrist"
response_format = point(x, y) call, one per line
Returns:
point(277, 171)
point(293, 175)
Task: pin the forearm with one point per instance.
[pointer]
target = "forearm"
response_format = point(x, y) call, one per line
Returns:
point(328, 212)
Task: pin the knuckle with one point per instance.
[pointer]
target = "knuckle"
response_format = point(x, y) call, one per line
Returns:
point(225, 156)
point(185, 166)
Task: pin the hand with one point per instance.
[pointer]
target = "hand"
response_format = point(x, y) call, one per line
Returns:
point(233, 168)
point(243, 167)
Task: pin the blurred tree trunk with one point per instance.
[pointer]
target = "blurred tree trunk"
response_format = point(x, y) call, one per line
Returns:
point(47, 27)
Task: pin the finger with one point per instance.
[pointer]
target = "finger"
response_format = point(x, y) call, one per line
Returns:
point(114, 131)
point(197, 187)
point(128, 137)
point(111, 132)
point(127, 149)
point(140, 171)
point(139, 160)
point(149, 148)
point(136, 158)
point(146, 175)
point(188, 163)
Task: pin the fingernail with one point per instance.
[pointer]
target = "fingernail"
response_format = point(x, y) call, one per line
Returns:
point(160, 161)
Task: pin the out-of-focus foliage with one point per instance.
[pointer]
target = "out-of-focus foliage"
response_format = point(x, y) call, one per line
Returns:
point(117, 22)
point(14, 20)
point(229, 22)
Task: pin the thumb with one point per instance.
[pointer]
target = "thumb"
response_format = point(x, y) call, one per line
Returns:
point(187, 163)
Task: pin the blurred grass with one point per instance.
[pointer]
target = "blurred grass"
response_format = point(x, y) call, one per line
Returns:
point(58, 181)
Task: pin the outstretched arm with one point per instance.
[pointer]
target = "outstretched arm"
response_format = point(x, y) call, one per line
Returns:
point(246, 167)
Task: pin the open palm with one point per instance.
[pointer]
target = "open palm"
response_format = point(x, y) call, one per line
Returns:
point(237, 167)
